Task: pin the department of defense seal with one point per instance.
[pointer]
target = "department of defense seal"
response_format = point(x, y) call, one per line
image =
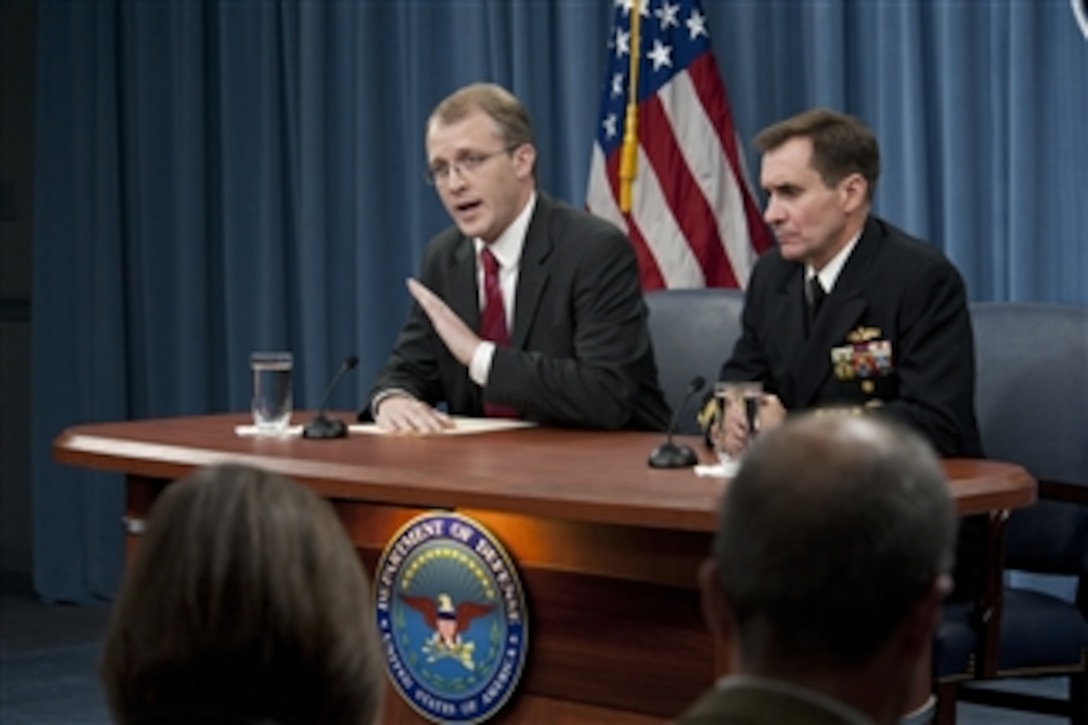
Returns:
point(451, 615)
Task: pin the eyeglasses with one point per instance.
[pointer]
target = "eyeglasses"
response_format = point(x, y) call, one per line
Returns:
point(468, 164)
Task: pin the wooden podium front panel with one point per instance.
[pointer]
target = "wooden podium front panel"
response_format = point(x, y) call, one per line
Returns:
point(614, 614)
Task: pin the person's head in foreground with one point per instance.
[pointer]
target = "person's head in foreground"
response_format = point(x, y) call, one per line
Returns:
point(245, 603)
point(831, 559)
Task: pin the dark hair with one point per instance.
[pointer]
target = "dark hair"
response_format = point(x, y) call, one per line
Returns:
point(834, 527)
point(245, 603)
point(841, 144)
point(511, 118)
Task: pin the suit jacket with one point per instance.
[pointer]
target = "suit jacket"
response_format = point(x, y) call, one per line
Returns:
point(894, 333)
point(748, 705)
point(580, 351)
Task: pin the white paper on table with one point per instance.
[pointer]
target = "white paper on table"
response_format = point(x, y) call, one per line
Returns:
point(721, 469)
point(462, 426)
point(250, 431)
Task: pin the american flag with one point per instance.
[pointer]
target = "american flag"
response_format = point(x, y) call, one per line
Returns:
point(692, 218)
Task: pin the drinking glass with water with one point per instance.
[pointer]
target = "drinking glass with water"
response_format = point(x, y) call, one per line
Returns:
point(745, 396)
point(272, 401)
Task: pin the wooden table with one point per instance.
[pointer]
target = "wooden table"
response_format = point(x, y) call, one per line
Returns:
point(607, 547)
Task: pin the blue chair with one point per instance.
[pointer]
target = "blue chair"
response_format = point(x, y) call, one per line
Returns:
point(693, 332)
point(1032, 404)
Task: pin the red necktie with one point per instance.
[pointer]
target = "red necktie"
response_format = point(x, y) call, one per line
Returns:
point(493, 319)
point(493, 322)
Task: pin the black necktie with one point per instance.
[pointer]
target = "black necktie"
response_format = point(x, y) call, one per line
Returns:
point(815, 298)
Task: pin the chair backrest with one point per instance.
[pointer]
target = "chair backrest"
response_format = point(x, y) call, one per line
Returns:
point(1031, 397)
point(693, 331)
point(1031, 393)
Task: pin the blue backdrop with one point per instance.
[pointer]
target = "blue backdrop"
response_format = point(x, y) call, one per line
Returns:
point(218, 177)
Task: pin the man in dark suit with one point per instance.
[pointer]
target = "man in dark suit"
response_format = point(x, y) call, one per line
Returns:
point(887, 331)
point(830, 563)
point(526, 307)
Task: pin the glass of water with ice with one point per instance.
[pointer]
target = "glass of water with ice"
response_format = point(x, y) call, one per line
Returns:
point(743, 397)
point(271, 391)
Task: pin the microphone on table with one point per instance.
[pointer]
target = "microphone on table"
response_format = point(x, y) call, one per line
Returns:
point(669, 454)
point(323, 426)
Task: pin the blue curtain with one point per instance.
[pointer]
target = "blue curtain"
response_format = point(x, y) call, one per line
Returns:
point(214, 178)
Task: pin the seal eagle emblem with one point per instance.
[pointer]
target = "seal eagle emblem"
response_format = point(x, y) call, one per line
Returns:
point(448, 623)
point(451, 615)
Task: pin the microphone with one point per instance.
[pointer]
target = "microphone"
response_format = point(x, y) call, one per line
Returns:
point(669, 454)
point(322, 426)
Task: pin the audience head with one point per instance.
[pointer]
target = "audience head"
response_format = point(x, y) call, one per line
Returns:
point(833, 552)
point(245, 603)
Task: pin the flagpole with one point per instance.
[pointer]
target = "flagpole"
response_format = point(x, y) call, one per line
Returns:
point(629, 154)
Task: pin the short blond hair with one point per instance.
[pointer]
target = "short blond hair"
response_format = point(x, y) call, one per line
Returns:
point(511, 118)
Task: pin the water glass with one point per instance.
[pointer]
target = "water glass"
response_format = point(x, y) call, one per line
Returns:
point(743, 396)
point(272, 401)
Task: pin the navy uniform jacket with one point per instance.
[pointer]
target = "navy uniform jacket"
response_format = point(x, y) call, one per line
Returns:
point(580, 351)
point(894, 334)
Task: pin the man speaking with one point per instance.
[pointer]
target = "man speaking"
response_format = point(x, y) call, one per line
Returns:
point(526, 307)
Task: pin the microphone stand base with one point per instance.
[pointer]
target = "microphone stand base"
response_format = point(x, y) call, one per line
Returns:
point(670, 455)
point(325, 428)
